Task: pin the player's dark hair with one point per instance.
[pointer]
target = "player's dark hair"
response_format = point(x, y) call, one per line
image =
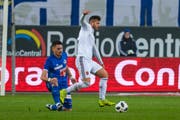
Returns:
point(54, 43)
point(95, 17)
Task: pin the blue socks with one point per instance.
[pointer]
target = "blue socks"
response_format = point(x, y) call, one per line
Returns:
point(55, 94)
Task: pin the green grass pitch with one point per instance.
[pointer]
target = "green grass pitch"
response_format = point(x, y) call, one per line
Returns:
point(85, 107)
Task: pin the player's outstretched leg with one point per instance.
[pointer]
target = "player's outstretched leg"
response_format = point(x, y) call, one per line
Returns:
point(73, 87)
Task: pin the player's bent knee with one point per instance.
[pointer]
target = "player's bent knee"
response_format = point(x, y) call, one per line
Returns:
point(102, 73)
point(105, 74)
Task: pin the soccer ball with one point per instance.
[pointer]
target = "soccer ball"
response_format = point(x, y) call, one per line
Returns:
point(121, 106)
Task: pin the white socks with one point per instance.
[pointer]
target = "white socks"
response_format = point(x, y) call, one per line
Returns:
point(102, 88)
point(77, 86)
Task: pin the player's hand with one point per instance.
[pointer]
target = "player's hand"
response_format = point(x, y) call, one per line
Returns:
point(103, 65)
point(85, 12)
point(54, 81)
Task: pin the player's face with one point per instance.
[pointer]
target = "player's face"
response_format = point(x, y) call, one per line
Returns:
point(127, 35)
point(57, 50)
point(96, 24)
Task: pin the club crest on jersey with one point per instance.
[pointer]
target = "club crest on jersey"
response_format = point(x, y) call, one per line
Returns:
point(65, 61)
point(87, 73)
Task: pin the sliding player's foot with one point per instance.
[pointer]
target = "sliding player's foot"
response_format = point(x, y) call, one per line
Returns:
point(63, 94)
point(49, 106)
point(54, 107)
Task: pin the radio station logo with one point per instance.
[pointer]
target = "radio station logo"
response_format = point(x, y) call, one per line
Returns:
point(28, 43)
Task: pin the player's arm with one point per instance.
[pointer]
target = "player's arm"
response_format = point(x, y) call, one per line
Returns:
point(73, 80)
point(97, 55)
point(44, 76)
point(46, 79)
point(83, 22)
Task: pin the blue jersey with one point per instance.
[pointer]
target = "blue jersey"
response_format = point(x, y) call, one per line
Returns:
point(56, 67)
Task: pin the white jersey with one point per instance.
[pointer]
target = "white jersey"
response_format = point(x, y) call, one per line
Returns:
point(86, 39)
point(86, 42)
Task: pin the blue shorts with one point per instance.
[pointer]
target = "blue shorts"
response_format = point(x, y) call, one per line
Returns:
point(68, 100)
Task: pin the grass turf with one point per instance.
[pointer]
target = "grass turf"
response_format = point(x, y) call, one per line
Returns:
point(85, 107)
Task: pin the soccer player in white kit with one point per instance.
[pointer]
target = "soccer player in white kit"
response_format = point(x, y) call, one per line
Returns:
point(85, 63)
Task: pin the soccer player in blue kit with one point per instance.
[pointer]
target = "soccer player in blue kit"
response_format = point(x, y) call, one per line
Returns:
point(56, 74)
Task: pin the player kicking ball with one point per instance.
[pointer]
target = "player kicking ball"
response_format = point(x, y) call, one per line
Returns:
point(85, 63)
point(56, 74)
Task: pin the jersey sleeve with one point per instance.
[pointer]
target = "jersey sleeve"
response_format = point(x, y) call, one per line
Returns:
point(97, 54)
point(83, 22)
point(47, 64)
point(65, 55)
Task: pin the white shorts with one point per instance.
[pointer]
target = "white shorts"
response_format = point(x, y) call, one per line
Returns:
point(86, 66)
